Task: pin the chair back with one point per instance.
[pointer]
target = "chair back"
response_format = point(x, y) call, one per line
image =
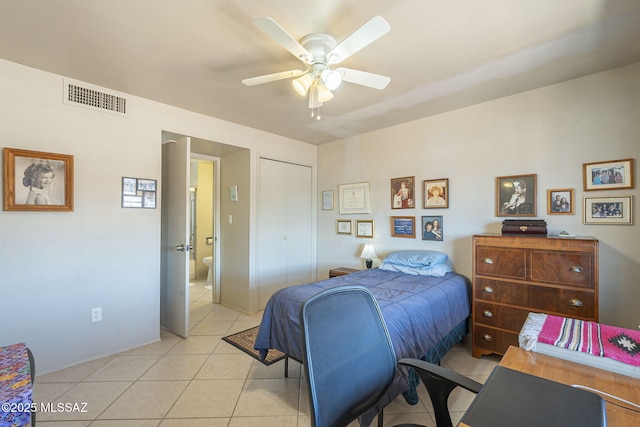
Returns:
point(349, 358)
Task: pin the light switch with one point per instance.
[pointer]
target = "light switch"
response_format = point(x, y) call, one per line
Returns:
point(230, 219)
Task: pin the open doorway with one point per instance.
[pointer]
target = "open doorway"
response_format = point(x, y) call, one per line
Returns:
point(203, 223)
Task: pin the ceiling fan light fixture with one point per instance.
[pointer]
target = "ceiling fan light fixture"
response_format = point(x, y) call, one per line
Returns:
point(324, 93)
point(331, 79)
point(302, 84)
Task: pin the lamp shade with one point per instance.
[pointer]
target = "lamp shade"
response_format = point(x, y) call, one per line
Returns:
point(324, 94)
point(331, 78)
point(302, 84)
point(368, 251)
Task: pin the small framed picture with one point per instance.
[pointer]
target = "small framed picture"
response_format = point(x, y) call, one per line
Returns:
point(403, 226)
point(516, 195)
point(364, 228)
point(37, 181)
point(403, 192)
point(327, 200)
point(609, 175)
point(432, 228)
point(436, 193)
point(608, 210)
point(343, 226)
point(560, 202)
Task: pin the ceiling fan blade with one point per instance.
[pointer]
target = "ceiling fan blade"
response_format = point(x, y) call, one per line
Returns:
point(363, 78)
point(371, 31)
point(279, 34)
point(272, 77)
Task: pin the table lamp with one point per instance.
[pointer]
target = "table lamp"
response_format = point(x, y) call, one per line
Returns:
point(368, 252)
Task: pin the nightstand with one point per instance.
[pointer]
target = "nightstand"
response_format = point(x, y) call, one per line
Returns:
point(341, 271)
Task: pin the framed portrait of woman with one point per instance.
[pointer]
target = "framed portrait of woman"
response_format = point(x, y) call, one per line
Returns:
point(403, 192)
point(37, 181)
point(436, 193)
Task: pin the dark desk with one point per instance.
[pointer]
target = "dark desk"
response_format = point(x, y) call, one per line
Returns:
point(566, 372)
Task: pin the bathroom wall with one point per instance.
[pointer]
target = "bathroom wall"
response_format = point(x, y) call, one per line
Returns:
point(204, 216)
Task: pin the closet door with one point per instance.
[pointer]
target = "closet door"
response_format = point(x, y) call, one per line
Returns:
point(284, 255)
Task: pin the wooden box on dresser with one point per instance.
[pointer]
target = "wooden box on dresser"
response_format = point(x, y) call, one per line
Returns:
point(515, 275)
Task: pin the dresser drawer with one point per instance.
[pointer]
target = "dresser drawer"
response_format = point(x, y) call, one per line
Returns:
point(490, 340)
point(566, 268)
point(566, 302)
point(500, 262)
point(504, 292)
point(509, 318)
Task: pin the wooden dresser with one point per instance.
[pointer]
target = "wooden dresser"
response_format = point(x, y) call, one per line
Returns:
point(515, 275)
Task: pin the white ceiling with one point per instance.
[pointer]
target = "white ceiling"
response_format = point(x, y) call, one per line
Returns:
point(440, 54)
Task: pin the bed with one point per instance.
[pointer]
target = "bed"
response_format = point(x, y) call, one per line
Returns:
point(426, 306)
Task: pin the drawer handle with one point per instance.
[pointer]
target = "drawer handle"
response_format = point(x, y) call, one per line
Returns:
point(575, 302)
point(487, 313)
point(576, 269)
point(487, 337)
point(487, 290)
point(488, 261)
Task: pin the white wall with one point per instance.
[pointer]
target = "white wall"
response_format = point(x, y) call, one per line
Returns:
point(550, 132)
point(54, 267)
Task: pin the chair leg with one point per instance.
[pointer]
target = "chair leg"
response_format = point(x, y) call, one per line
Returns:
point(439, 390)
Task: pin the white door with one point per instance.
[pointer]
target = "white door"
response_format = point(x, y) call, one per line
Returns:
point(174, 294)
point(285, 224)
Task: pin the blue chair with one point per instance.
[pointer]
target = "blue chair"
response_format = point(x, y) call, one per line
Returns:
point(350, 362)
point(349, 359)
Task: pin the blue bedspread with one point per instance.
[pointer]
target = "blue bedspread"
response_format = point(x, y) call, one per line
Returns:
point(419, 311)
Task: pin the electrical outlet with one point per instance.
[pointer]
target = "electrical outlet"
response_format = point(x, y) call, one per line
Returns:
point(96, 314)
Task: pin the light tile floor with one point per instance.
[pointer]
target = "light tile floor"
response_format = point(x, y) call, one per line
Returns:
point(203, 381)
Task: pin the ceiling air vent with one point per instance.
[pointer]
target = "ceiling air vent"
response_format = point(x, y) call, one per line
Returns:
point(82, 94)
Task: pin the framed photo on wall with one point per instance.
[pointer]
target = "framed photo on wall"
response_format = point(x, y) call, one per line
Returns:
point(608, 210)
point(432, 228)
point(37, 181)
point(516, 195)
point(403, 192)
point(403, 226)
point(327, 200)
point(364, 228)
point(343, 226)
point(436, 193)
point(354, 198)
point(560, 202)
point(608, 175)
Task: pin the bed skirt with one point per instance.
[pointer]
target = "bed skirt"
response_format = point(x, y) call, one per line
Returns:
point(435, 355)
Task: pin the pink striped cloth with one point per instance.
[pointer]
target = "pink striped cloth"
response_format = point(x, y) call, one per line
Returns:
point(593, 338)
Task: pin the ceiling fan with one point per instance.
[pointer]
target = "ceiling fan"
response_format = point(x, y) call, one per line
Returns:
point(319, 52)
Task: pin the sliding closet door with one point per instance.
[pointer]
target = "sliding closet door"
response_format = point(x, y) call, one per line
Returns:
point(285, 227)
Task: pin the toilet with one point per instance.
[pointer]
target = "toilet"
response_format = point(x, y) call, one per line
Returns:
point(208, 261)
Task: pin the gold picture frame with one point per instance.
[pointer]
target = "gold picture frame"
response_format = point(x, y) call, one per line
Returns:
point(364, 228)
point(435, 193)
point(36, 181)
point(608, 175)
point(516, 195)
point(403, 226)
point(344, 226)
point(560, 201)
point(608, 210)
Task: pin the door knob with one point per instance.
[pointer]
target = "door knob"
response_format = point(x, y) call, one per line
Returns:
point(182, 248)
